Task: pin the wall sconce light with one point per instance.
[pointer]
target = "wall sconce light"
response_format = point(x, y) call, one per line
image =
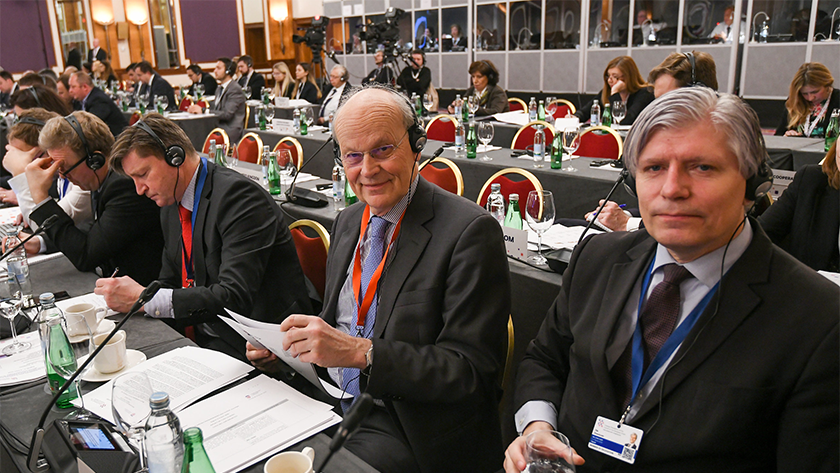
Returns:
point(105, 20)
point(279, 13)
point(139, 18)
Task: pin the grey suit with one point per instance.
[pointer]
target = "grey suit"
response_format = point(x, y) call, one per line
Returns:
point(230, 108)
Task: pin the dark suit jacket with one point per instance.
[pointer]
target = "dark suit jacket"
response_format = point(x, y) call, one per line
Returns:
point(209, 83)
point(256, 83)
point(74, 58)
point(636, 102)
point(819, 130)
point(99, 104)
point(309, 92)
point(246, 259)
point(754, 391)
point(495, 101)
point(410, 85)
point(161, 86)
point(230, 107)
point(439, 336)
point(101, 55)
point(382, 76)
point(805, 220)
point(125, 234)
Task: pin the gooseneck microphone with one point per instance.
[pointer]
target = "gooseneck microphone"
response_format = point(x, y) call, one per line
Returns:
point(38, 434)
point(434, 156)
point(361, 409)
point(621, 177)
point(306, 197)
point(50, 221)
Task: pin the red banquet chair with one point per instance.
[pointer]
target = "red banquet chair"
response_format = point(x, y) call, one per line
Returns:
point(600, 142)
point(221, 138)
point(524, 183)
point(525, 136)
point(442, 128)
point(185, 103)
point(249, 148)
point(445, 174)
point(135, 117)
point(516, 104)
point(295, 149)
point(312, 251)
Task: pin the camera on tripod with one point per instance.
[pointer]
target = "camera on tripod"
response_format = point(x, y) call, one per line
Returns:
point(314, 37)
point(386, 32)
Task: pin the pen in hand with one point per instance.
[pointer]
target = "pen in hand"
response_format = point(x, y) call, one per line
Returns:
point(116, 270)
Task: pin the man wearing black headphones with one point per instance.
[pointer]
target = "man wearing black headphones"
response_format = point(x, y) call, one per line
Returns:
point(340, 89)
point(416, 303)
point(229, 104)
point(126, 228)
point(227, 245)
point(249, 77)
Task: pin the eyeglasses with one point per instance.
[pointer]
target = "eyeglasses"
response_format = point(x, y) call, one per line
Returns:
point(67, 172)
point(380, 154)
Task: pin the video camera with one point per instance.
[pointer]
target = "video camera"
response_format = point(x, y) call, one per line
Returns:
point(386, 32)
point(315, 36)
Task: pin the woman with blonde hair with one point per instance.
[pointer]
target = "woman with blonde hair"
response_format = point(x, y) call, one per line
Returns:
point(283, 82)
point(305, 86)
point(811, 100)
point(102, 70)
point(622, 81)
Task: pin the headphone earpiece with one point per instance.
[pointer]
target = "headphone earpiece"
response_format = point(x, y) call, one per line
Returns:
point(174, 155)
point(94, 160)
point(231, 69)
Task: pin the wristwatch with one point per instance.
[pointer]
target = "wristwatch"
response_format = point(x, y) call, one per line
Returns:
point(368, 360)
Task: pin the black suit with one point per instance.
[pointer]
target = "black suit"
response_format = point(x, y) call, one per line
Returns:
point(636, 102)
point(209, 83)
point(101, 55)
point(805, 220)
point(125, 233)
point(246, 259)
point(439, 334)
point(256, 83)
point(161, 86)
point(382, 75)
point(74, 58)
point(99, 104)
point(308, 91)
point(753, 393)
point(410, 85)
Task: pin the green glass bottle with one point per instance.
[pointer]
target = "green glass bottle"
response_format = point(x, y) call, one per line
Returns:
point(142, 105)
point(557, 152)
point(195, 457)
point(472, 142)
point(513, 219)
point(220, 159)
point(275, 182)
point(261, 116)
point(541, 111)
point(465, 111)
point(418, 105)
point(52, 335)
point(606, 118)
point(304, 127)
point(349, 196)
point(266, 96)
point(832, 130)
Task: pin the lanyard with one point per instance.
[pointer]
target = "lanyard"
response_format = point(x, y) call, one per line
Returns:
point(674, 341)
point(374, 280)
point(63, 190)
point(808, 128)
point(199, 186)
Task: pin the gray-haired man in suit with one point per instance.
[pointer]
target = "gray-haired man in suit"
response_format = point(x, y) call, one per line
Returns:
point(229, 105)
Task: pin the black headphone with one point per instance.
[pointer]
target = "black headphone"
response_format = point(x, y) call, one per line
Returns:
point(693, 62)
point(493, 75)
point(32, 121)
point(93, 160)
point(174, 155)
point(35, 94)
point(231, 68)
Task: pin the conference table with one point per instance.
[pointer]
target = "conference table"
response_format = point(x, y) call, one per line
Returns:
point(22, 405)
point(281, 113)
point(197, 127)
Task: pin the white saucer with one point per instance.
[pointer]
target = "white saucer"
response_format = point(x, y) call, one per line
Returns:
point(93, 375)
point(105, 326)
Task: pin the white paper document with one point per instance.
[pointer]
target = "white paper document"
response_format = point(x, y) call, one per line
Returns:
point(515, 118)
point(833, 277)
point(269, 336)
point(249, 422)
point(90, 298)
point(559, 236)
point(25, 366)
point(186, 374)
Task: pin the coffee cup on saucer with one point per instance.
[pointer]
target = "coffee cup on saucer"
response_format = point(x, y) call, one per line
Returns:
point(291, 462)
point(93, 315)
point(112, 358)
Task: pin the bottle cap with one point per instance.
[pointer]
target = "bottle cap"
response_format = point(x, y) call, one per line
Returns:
point(159, 400)
point(47, 298)
point(513, 197)
point(495, 187)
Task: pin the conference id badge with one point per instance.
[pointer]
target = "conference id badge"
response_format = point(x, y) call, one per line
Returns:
point(616, 440)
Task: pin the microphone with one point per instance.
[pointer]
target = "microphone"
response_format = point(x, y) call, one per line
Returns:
point(434, 156)
point(50, 221)
point(306, 197)
point(621, 177)
point(38, 434)
point(361, 409)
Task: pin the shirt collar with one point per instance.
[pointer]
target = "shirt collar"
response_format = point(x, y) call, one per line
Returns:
point(393, 215)
point(188, 200)
point(707, 267)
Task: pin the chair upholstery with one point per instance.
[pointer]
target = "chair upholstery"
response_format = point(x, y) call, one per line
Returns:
point(525, 136)
point(442, 128)
point(525, 183)
point(220, 136)
point(516, 104)
point(185, 103)
point(295, 149)
point(203, 104)
point(563, 107)
point(135, 117)
point(249, 148)
point(445, 174)
point(600, 142)
point(312, 251)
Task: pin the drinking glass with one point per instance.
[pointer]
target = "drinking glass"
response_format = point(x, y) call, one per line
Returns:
point(619, 111)
point(269, 115)
point(247, 91)
point(428, 101)
point(199, 92)
point(284, 159)
point(306, 115)
point(539, 213)
point(550, 108)
point(164, 102)
point(130, 395)
point(472, 104)
point(10, 308)
point(548, 451)
point(485, 135)
point(144, 101)
point(65, 362)
point(571, 142)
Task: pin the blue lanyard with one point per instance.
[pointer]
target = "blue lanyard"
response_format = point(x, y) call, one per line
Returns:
point(674, 341)
point(199, 186)
point(63, 190)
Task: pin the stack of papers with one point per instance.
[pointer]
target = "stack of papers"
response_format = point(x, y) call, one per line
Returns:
point(25, 366)
point(518, 117)
point(558, 236)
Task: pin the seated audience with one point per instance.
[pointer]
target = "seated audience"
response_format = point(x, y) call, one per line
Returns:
point(38, 96)
point(305, 86)
point(155, 85)
point(97, 102)
point(284, 85)
point(29, 79)
point(675, 72)
point(381, 74)
point(62, 87)
point(622, 81)
point(811, 100)
point(340, 89)
point(485, 79)
point(459, 42)
point(248, 77)
point(8, 86)
point(229, 104)
point(416, 77)
point(197, 76)
point(103, 71)
point(750, 360)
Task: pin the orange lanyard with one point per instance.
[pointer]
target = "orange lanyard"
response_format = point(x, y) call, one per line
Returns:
point(374, 280)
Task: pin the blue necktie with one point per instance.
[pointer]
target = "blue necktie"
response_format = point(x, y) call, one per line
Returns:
point(376, 248)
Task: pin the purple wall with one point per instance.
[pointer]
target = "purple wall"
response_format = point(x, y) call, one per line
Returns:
point(23, 38)
point(210, 29)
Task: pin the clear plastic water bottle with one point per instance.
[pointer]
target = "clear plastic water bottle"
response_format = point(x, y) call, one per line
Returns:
point(338, 187)
point(539, 147)
point(164, 438)
point(51, 325)
point(595, 114)
point(296, 120)
point(460, 137)
point(457, 105)
point(496, 203)
point(20, 286)
point(332, 127)
point(532, 109)
point(264, 162)
point(211, 150)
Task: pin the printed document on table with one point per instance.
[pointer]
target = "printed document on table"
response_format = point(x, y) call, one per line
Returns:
point(559, 236)
point(252, 421)
point(25, 366)
point(186, 374)
point(269, 336)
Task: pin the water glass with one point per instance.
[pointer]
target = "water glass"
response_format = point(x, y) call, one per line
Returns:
point(130, 393)
point(539, 213)
point(269, 115)
point(619, 111)
point(485, 135)
point(199, 92)
point(571, 142)
point(164, 102)
point(247, 91)
point(428, 102)
point(547, 451)
point(550, 108)
point(472, 104)
point(10, 308)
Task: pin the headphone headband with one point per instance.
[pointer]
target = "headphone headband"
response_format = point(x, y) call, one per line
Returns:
point(32, 121)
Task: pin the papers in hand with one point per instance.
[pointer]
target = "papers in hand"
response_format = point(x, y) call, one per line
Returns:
point(558, 236)
point(268, 336)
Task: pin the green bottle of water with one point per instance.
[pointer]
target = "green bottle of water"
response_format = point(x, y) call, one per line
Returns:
point(220, 159)
point(275, 182)
point(832, 130)
point(195, 457)
point(261, 116)
point(541, 111)
point(472, 142)
point(465, 111)
point(266, 96)
point(513, 219)
point(557, 152)
point(418, 105)
point(53, 337)
point(606, 118)
point(349, 196)
point(304, 127)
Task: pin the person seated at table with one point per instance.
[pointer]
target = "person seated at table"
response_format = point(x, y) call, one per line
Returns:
point(485, 79)
point(155, 85)
point(38, 96)
point(622, 81)
point(131, 84)
point(305, 86)
point(416, 77)
point(381, 74)
point(197, 76)
point(283, 82)
point(675, 72)
point(87, 68)
point(229, 104)
point(97, 102)
point(126, 230)
point(429, 339)
point(811, 100)
point(227, 245)
point(752, 341)
point(805, 221)
point(724, 32)
point(21, 150)
point(340, 89)
point(62, 87)
point(103, 71)
point(29, 79)
point(248, 77)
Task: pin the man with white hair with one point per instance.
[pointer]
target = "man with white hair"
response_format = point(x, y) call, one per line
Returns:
point(692, 333)
point(340, 89)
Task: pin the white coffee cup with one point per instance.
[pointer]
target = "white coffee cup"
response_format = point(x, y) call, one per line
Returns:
point(291, 462)
point(112, 357)
point(92, 314)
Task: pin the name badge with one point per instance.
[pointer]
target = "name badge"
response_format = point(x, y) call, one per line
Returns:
point(516, 243)
point(616, 440)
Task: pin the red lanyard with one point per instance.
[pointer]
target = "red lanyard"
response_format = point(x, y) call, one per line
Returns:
point(374, 280)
